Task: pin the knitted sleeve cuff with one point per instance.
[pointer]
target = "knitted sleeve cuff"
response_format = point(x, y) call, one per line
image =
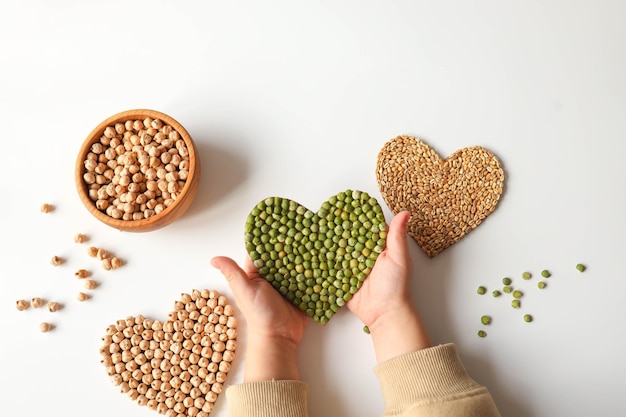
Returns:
point(267, 398)
point(424, 376)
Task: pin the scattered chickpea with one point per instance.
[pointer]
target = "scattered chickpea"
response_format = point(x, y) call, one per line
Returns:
point(46, 208)
point(82, 296)
point(116, 262)
point(92, 251)
point(82, 273)
point(53, 306)
point(106, 264)
point(56, 260)
point(36, 302)
point(80, 238)
point(90, 284)
point(103, 254)
point(22, 305)
point(45, 327)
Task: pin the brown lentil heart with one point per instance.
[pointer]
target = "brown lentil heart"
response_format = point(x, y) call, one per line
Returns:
point(447, 198)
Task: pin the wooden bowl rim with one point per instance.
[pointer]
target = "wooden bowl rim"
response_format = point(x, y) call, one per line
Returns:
point(143, 224)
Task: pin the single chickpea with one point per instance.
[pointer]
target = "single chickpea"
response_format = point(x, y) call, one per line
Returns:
point(46, 208)
point(92, 251)
point(103, 254)
point(82, 273)
point(116, 262)
point(80, 238)
point(45, 327)
point(106, 264)
point(56, 260)
point(22, 305)
point(53, 306)
point(36, 302)
point(90, 284)
point(82, 296)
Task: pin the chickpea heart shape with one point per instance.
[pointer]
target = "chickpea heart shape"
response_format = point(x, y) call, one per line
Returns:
point(316, 260)
point(447, 198)
point(178, 366)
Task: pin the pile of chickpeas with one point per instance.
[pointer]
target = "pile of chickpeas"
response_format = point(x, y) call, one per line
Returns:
point(177, 367)
point(136, 169)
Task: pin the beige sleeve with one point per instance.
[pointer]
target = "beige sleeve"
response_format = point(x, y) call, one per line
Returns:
point(267, 399)
point(432, 382)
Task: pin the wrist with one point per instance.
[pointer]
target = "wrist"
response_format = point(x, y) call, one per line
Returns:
point(398, 331)
point(271, 358)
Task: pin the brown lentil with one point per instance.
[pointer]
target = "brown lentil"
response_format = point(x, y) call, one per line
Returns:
point(447, 198)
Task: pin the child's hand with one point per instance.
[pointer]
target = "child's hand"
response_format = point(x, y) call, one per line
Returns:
point(384, 304)
point(274, 325)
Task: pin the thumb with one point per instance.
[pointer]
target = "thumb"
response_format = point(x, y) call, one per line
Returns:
point(397, 245)
point(237, 278)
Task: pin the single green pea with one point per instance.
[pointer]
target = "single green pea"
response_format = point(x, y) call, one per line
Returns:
point(485, 320)
point(517, 294)
point(366, 329)
point(545, 273)
point(527, 275)
point(528, 318)
point(482, 333)
point(481, 290)
point(516, 303)
point(507, 289)
point(506, 281)
point(581, 267)
point(496, 293)
point(541, 285)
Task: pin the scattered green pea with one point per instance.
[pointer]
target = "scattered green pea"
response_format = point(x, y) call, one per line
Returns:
point(517, 294)
point(581, 267)
point(481, 290)
point(496, 293)
point(507, 289)
point(506, 281)
point(366, 329)
point(482, 333)
point(516, 303)
point(485, 320)
point(528, 318)
point(527, 275)
point(545, 273)
point(541, 285)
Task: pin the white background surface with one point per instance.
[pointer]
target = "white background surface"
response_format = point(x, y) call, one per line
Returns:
point(295, 99)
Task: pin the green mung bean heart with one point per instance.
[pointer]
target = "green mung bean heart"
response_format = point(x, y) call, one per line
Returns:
point(317, 261)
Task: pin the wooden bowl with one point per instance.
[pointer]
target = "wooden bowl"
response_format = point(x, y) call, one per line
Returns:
point(172, 212)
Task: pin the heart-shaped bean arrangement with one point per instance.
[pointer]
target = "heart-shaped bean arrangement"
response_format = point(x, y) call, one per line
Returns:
point(447, 198)
point(319, 260)
point(179, 366)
